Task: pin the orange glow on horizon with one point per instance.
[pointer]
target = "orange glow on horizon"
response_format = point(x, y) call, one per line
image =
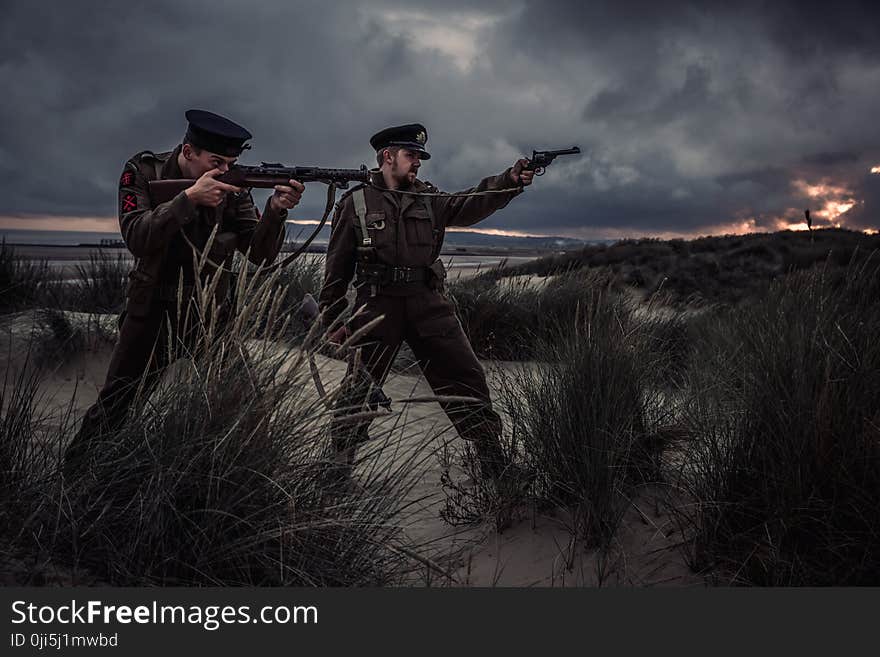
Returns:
point(497, 231)
point(790, 219)
point(875, 169)
point(834, 200)
point(485, 231)
point(52, 222)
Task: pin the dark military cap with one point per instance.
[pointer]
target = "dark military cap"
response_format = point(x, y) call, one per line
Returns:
point(411, 136)
point(215, 133)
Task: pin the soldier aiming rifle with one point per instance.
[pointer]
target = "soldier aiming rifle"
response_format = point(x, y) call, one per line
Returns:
point(169, 205)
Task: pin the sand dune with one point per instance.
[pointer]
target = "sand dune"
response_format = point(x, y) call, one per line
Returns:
point(535, 551)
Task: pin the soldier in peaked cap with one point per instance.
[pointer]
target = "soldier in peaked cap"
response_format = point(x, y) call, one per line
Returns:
point(412, 136)
point(388, 236)
point(159, 238)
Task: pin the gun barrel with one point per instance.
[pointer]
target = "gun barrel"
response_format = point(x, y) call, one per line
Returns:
point(574, 150)
point(267, 176)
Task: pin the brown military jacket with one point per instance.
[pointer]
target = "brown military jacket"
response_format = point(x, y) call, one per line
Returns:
point(401, 230)
point(153, 234)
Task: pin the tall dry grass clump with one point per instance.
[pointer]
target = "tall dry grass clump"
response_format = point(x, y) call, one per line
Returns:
point(218, 475)
point(304, 275)
point(66, 317)
point(24, 461)
point(493, 315)
point(22, 281)
point(783, 476)
point(506, 319)
point(99, 286)
point(584, 417)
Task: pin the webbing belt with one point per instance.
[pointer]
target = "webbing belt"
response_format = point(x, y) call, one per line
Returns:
point(387, 275)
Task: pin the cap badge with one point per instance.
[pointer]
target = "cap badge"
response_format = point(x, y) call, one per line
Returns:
point(421, 137)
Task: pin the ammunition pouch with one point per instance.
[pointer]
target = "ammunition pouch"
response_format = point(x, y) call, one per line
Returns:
point(366, 254)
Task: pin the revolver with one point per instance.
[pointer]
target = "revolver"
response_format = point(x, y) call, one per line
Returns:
point(541, 159)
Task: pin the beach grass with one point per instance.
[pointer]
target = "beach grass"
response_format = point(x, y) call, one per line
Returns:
point(217, 476)
point(780, 484)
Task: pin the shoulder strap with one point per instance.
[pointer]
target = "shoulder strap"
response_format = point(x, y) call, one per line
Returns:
point(360, 209)
point(150, 164)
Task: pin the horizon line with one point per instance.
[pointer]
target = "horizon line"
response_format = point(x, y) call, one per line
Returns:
point(56, 223)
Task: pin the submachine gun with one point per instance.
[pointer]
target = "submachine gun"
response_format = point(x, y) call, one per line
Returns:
point(265, 176)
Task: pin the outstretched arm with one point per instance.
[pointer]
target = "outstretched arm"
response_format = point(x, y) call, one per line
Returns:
point(468, 210)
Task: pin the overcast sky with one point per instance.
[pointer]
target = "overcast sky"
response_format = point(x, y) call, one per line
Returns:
point(691, 120)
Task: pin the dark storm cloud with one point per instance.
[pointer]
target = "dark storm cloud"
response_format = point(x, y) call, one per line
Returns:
point(690, 117)
point(817, 29)
point(766, 177)
point(831, 159)
point(865, 213)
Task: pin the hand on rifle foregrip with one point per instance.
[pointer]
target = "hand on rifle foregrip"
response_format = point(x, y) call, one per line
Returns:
point(286, 197)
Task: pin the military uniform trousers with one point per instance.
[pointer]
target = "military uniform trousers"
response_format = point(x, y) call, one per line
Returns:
point(140, 356)
point(426, 321)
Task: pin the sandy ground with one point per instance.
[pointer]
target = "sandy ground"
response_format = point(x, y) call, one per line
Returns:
point(535, 551)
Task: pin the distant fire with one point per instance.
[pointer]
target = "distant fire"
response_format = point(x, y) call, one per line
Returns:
point(875, 169)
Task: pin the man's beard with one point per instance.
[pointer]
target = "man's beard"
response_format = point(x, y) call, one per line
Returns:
point(404, 182)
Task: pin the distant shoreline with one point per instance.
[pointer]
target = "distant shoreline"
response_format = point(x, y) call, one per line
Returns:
point(33, 251)
point(65, 259)
point(455, 243)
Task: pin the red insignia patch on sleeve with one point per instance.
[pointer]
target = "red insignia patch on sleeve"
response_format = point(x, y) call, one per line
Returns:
point(127, 179)
point(129, 202)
